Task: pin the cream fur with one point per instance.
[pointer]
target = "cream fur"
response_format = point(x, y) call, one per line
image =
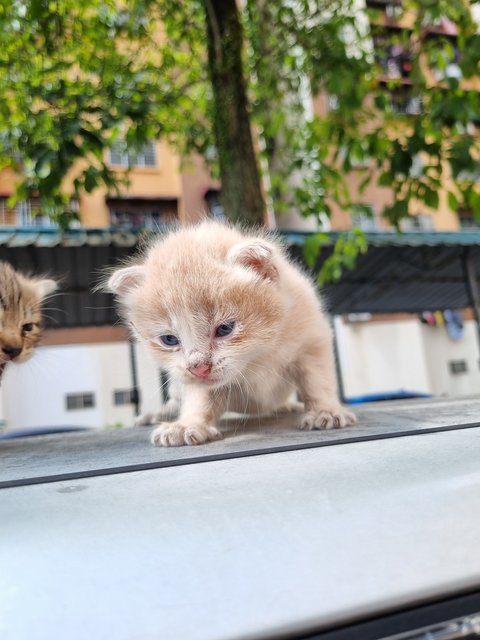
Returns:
point(197, 278)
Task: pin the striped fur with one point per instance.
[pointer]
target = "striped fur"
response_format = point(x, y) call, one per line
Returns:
point(20, 313)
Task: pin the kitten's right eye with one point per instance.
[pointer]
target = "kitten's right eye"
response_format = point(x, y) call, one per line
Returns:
point(169, 340)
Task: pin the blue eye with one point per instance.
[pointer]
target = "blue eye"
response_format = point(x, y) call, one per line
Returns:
point(224, 329)
point(169, 340)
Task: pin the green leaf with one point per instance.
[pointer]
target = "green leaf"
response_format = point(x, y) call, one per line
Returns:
point(312, 246)
point(43, 167)
point(452, 201)
point(431, 198)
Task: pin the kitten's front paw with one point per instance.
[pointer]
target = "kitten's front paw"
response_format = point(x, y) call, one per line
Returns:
point(331, 418)
point(169, 411)
point(145, 420)
point(291, 406)
point(175, 434)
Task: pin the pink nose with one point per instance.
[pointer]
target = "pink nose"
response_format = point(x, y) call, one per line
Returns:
point(201, 370)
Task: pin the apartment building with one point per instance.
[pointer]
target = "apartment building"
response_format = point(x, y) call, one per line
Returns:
point(161, 188)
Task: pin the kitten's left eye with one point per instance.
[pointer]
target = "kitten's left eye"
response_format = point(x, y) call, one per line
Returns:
point(224, 329)
point(28, 326)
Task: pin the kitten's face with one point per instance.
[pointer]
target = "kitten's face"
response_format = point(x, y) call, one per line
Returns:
point(205, 320)
point(20, 313)
point(208, 336)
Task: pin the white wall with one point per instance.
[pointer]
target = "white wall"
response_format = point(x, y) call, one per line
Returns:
point(34, 392)
point(382, 357)
point(405, 355)
point(375, 356)
point(439, 350)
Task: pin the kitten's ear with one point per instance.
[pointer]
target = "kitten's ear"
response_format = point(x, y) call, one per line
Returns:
point(45, 287)
point(255, 255)
point(125, 280)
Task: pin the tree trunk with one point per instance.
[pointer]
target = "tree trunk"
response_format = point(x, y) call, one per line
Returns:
point(242, 196)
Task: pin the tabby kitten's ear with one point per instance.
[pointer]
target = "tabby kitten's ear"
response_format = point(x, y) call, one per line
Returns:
point(125, 280)
point(255, 255)
point(44, 287)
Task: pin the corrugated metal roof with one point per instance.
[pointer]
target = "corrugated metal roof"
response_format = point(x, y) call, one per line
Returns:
point(409, 272)
point(77, 259)
point(464, 238)
point(14, 237)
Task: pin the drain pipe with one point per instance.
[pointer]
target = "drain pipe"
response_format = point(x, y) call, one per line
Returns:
point(472, 289)
point(135, 393)
point(338, 364)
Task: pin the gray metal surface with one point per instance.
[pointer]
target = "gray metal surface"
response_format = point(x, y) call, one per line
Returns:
point(76, 452)
point(247, 548)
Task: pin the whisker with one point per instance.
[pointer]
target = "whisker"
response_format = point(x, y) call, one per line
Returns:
point(248, 394)
point(57, 309)
point(270, 370)
point(60, 311)
point(259, 412)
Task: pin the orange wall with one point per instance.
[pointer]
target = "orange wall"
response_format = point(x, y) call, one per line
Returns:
point(196, 181)
point(162, 180)
point(8, 179)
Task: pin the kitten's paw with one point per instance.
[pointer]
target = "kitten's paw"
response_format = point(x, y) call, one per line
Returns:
point(175, 434)
point(168, 412)
point(331, 418)
point(291, 406)
point(145, 420)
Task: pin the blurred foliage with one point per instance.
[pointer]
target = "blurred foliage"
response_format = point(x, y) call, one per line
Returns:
point(114, 425)
point(75, 77)
point(344, 253)
point(413, 134)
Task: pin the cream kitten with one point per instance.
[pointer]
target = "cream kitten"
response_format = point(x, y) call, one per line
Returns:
point(237, 326)
point(20, 314)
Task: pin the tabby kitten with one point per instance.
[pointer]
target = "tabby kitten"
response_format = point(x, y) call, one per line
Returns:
point(20, 313)
point(237, 325)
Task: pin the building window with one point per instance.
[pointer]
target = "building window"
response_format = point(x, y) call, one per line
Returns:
point(457, 366)
point(384, 4)
point(392, 53)
point(29, 214)
point(122, 156)
point(467, 220)
point(214, 204)
point(79, 401)
point(333, 103)
point(141, 213)
point(402, 101)
point(365, 220)
point(123, 396)
point(421, 222)
point(8, 215)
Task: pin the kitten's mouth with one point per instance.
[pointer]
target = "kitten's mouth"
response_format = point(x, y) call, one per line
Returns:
point(201, 373)
point(203, 380)
point(208, 380)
